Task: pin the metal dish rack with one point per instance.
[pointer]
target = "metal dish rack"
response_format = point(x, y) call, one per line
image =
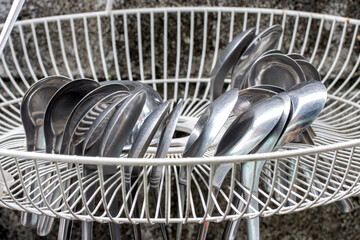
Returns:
point(174, 50)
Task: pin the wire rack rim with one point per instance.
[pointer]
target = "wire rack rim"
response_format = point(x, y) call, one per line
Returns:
point(192, 9)
point(179, 161)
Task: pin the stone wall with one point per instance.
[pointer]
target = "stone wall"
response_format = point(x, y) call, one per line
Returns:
point(33, 9)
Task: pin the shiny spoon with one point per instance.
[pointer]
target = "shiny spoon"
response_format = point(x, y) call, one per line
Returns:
point(225, 62)
point(247, 172)
point(56, 114)
point(153, 100)
point(275, 69)
point(308, 99)
point(164, 144)
point(306, 138)
point(32, 112)
point(266, 40)
point(201, 137)
point(83, 107)
point(90, 147)
point(245, 133)
point(138, 150)
point(76, 127)
point(116, 134)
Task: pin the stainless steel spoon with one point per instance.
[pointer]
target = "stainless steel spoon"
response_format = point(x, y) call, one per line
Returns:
point(311, 73)
point(164, 144)
point(153, 100)
point(59, 109)
point(203, 134)
point(275, 69)
point(245, 133)
point(247, 172)
point(138, 150)
point(90, 147)
point(306, 138)
point(277, 89)
point(308, 99)
point(76, 128)
point(56, 114)
point(225, 62)
point(266, 40)
point(116, 133)
point(83, 107)
point(32, 111)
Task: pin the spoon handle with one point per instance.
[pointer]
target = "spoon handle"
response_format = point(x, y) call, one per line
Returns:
point(182, 185)
point(86, 227)
point(135, 227)
point(65, 225)
point(204, 227)
point(181, 210)
point(247, 181)
point(253, 225)
point(155, 189)
point(30, 219)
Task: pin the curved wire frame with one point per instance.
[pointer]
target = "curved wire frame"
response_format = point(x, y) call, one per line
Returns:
point(173, 50)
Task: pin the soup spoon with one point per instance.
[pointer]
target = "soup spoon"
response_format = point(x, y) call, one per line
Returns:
point(56, 114)
point(266, 40)
point(201, 137)
point(245, 133)
point(32, 111)
point(164, 144)
point(90, 147)
point(138, 150)
point(116, 133)
point(225, 62)
point(78, 124)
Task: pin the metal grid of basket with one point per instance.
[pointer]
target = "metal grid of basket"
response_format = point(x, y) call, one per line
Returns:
point(138, 44)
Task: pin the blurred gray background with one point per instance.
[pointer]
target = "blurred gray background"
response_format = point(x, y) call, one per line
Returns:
point(320, 223)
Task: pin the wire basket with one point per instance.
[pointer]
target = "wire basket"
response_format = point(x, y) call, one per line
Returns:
point(173, 50)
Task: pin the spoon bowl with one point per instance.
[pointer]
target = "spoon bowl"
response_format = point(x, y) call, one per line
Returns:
point(266, 40)
point(275, 69)
point(226, 60)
